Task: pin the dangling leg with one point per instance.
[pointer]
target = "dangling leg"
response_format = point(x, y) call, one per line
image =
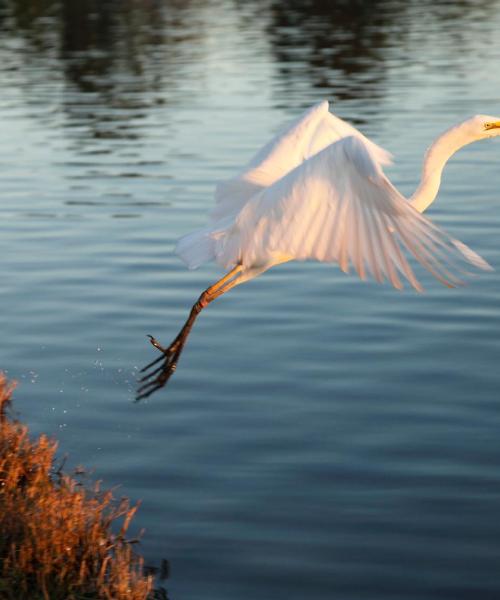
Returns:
point(157, 378)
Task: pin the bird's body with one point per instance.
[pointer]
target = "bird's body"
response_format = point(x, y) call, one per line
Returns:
point(317, 191)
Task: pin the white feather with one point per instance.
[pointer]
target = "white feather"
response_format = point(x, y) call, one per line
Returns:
point(317, 191)
point(299, 140)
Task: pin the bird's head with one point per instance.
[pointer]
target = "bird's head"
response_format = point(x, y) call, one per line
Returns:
point(481, 127)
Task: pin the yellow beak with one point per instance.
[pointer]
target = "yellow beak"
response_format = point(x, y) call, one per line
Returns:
point(494, 125)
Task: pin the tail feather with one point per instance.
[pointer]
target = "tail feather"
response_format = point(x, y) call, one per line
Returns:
point(196, 248)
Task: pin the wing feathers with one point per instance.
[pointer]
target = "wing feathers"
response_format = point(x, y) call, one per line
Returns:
point(339, 207)
point(304, 137)
point(317, 191)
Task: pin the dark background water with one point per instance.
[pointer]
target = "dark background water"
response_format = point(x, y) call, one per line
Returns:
point(323, 437)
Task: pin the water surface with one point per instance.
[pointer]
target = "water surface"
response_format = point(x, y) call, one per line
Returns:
point(323, 437)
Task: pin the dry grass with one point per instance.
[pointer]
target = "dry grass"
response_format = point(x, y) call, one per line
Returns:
point(56, 539)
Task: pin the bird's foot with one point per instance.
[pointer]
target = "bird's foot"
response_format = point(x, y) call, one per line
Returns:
point(155, 378)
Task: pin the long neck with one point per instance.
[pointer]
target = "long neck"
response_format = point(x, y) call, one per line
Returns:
point(434, 161)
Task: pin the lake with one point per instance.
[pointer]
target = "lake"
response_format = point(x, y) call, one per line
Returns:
point(322, 437)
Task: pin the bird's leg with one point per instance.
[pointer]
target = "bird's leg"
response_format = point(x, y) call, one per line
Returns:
point(155, 379)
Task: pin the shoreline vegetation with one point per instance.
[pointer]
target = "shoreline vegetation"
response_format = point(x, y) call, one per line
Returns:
point(57, 536)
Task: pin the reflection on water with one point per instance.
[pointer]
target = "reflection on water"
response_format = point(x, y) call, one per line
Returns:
point(324, 44)
point(324, 438)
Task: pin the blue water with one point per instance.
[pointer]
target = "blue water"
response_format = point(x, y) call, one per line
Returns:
point(323, 437)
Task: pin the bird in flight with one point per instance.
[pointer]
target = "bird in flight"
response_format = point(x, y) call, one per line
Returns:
point(317, 191)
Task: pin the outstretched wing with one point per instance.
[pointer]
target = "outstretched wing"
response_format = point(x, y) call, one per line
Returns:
point(304, 137)
point(338, 206)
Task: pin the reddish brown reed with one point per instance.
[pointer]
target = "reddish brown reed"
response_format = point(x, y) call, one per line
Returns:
point(56, 538)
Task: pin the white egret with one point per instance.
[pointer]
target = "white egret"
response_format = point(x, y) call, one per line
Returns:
point(317, 191)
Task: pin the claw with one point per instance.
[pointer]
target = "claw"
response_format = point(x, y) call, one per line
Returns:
point(157, 344)
point(141, 396)
point(149, 375)
point(151, 364)
point(160, 381)
point(158, 377)
point(166, 353)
